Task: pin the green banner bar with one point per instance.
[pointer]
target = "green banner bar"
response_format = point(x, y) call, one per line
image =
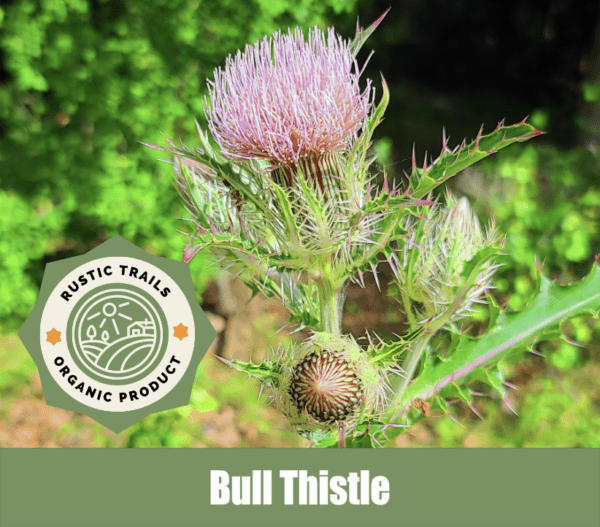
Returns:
point(346, 488)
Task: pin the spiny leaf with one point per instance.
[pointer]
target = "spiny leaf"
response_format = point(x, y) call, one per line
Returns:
point(329, 440)
point(287, 216)
point(450, 162)
point(512, 332)
point(473, 270)
point(362, 35)
point(388, 352)
point(358, 162)
point(386, 202)
point(377, 115)
point(369, 434)
point(296, 297)
point(441, 403)
point(265, 372)
point(261, 273)
point(388, 228)
point(249, 184)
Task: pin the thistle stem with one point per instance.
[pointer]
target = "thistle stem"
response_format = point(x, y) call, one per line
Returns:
point(331, 301)
point(410, 365)
point(342, 435)
point(412, 361)
point(408, 310)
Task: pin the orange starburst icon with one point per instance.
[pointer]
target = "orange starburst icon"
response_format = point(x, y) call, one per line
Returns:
point(181, 331)
point(53, 336)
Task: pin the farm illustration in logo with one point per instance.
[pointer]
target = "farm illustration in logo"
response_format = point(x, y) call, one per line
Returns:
point(117, 334)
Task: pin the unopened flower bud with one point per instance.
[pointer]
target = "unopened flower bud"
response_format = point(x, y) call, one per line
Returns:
point(328, 381)
point(432, 261)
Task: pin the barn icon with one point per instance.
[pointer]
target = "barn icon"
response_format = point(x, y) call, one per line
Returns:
point(144, 327)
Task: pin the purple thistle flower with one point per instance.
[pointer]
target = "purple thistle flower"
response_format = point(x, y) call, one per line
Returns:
point(288, 100)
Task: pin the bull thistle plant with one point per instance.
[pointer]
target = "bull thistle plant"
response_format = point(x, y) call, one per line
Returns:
point(284, 197)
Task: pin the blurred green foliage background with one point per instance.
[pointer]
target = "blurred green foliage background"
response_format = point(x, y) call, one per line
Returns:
point(83, 82)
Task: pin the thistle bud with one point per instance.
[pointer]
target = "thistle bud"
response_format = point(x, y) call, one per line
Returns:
point(328, 381)
point(326, 386)
point(430, 271)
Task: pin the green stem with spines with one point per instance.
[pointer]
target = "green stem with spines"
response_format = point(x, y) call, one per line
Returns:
point(408, 311)
point(414, 357)
point(331, 300)
point(411, 363)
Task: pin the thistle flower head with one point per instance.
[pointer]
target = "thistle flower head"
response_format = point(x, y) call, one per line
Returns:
point(285, 99)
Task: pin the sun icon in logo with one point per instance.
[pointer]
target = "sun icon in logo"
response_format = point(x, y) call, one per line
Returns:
point(109, 312)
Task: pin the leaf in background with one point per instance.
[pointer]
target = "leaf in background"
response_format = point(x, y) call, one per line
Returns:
point(201, 401)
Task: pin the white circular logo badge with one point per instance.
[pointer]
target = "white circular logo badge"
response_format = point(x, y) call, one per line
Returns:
point(127, 332)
